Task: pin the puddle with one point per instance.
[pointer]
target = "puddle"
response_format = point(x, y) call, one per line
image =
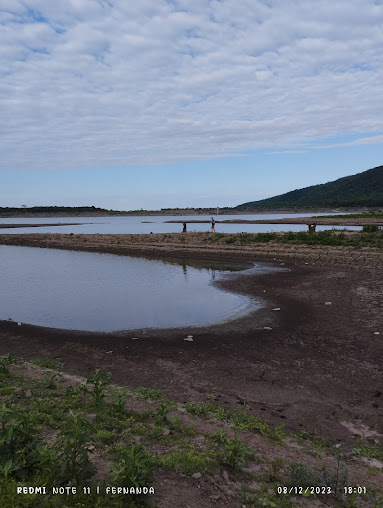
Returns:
point(104, 292)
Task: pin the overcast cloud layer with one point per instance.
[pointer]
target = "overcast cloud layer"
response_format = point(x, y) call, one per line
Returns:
point(111, 82)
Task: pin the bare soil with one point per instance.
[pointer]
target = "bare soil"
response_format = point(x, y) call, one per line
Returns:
point(317, 366)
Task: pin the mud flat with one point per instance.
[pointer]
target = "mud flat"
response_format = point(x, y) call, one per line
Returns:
point(312, 360)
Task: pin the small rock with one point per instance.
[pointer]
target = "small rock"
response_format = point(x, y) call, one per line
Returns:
point(197, 476)
point(134, 338)
point(28, 394)
point(267, 328)
point(225, 476)
point(264, 290)
point(166, 432)
point(18, 324)
point(327, 303)
point(188, 339)
point(215, 497)
point(277, 308)
point(108, 352)
point(271, 492)
point(376, 333)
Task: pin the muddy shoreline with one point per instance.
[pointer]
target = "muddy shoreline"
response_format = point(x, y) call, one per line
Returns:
point(318, 368)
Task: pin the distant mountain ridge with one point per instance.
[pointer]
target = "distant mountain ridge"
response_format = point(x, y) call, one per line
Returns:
point(360, 190)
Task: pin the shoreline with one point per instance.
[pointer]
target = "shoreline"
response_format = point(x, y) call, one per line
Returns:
point(49, 224)
point(187, 211)
point(315, 368)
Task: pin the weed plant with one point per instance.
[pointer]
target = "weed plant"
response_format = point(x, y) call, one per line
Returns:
point(100, 380)
point(133, 468)
point(233, 453)
point(73, 449)
point(5, 362)
point(336, 479)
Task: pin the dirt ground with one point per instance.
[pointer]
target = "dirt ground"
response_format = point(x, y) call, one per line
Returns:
point(316, 364)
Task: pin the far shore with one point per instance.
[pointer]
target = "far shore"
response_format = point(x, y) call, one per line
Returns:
point(185, 212)
point(295, 220)
point(342, 222)
point(39, 225)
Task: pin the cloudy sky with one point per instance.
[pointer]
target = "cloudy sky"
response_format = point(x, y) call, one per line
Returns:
point(169, 103)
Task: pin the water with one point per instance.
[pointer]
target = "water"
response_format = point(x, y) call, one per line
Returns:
point(155, 224)
point(105, 292)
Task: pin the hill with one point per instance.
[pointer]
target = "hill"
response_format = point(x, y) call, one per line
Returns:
point(361, 190)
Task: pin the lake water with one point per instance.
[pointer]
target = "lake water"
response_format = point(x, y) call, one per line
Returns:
point(155, 224)
point(105, 292)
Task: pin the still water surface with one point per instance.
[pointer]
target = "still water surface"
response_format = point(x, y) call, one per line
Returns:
point(105, 292)
point(155, 224)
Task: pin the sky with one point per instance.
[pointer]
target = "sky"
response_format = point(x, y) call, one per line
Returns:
point(176, 103)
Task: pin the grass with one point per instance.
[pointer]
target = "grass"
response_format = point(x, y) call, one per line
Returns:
point(188, 461)
point(150, 393)
point(61, 435)
point(241, 420)
point(364, 215)
point(47, 363)
point(371, 236)
point(363, 450)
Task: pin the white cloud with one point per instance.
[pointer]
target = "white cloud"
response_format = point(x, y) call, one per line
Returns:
point(100, 82)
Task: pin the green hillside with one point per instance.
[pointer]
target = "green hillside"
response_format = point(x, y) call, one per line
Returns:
point(363, 189)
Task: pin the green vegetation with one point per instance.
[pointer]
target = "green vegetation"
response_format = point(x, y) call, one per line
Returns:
point(62, 436)
point(133, 468)
point(240, 419)
point(48, 363)
point(363, 189)
point(68, 211)
point(56, 210)
point(364, 215)
point(371, 236)
point(370, 228)
point(336, 479)
point(5, 362)
point(234, 453)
